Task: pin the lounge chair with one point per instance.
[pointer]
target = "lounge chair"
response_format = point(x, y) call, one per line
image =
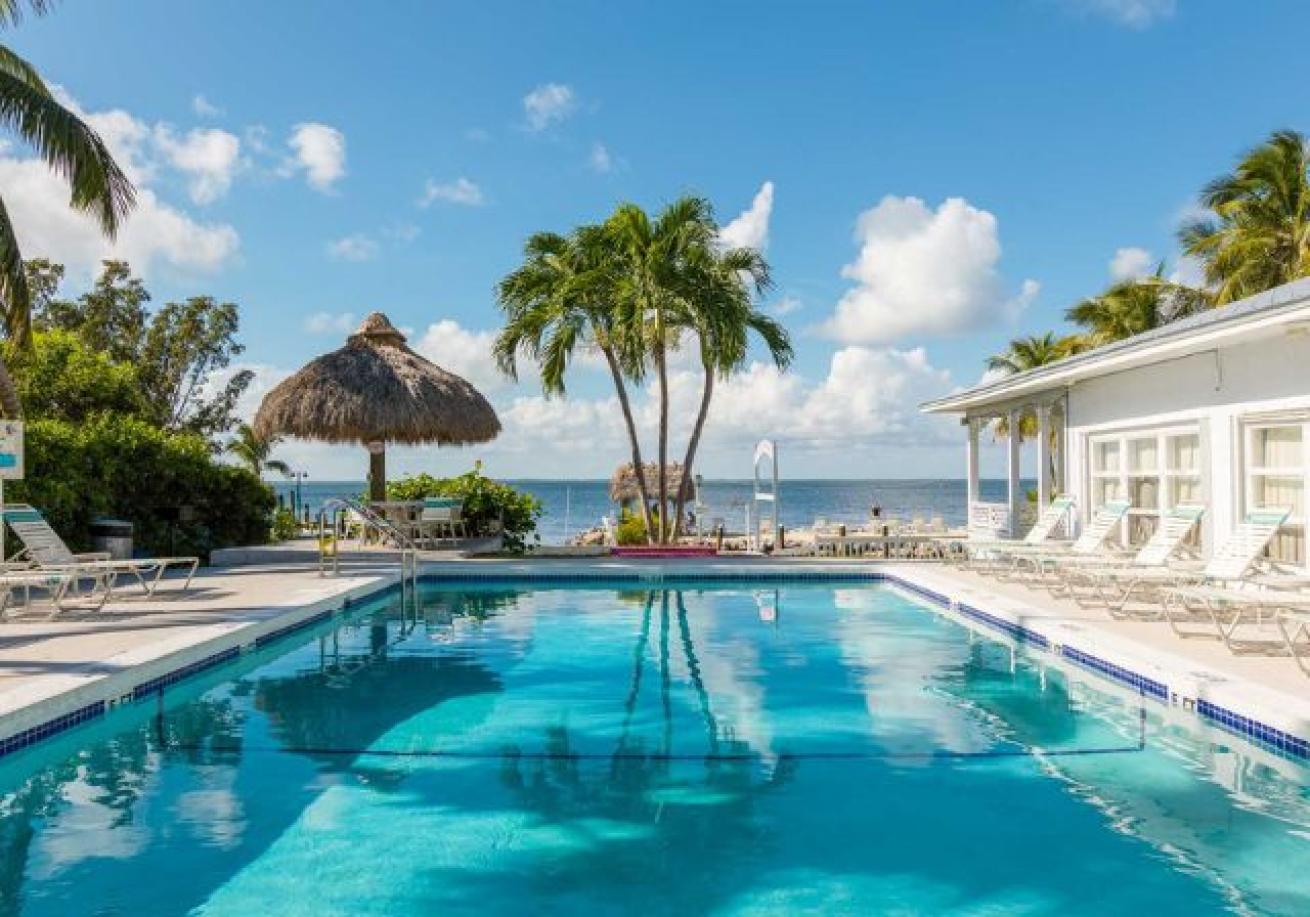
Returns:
point(1231, 563)
point(1115, 585)
point(44, 550)
point(986, 550)
point(1229, 607)
point(1090, 542)
point(58, 586)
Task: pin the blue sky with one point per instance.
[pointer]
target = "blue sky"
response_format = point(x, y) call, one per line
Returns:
point(940, 177)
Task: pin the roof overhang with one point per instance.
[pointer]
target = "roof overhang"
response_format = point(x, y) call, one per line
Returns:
point(1227, 326)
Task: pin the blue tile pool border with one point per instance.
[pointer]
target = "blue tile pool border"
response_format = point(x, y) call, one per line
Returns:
point(1246, 727)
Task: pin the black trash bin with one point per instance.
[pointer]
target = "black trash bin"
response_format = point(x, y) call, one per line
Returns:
point(113, 537)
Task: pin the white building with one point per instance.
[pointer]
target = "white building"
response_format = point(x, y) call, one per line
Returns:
point(1213, 408)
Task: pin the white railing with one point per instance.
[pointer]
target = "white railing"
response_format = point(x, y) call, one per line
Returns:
point(993, 519)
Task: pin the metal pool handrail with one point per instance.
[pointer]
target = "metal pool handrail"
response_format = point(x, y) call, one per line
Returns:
point(335, 510)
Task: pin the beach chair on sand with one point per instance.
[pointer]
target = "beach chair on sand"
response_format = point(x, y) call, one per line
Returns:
point(983, 551)
point(1231, 562)
point(44, 550)
point(1036, 566)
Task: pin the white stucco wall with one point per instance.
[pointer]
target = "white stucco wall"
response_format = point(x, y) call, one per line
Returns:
point(1217, 388)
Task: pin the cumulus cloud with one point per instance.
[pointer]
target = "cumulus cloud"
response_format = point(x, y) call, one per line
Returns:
point(319, 151)
point(464, 352)
point(329, 322)
point(356, 247)
point(460, 191)
point(206, 156)
point(786, 306)
point(1135, 14)
point(924, 271)
point(548, 104)
point(751, 227)
point(1130, 263)
point(205, 108)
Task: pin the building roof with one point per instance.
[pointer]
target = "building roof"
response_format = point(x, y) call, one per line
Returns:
point(1262, 315)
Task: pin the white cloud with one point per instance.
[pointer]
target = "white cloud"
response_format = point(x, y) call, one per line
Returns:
point(600, 160)
point(1130, 263)
point(786, 306)
point(319, 150)
point(205, 108)
point(1135, 14)
point(460, 191)
point(463, 352)
point(207, 156)
point(751, 227)
point(1188, 271)
point(328, 322)
point(357, 247)
point(924, 271)
point(548, 104)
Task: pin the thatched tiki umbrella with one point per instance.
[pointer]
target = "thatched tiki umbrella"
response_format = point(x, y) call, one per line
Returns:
point(624, 490)
point(375, 391)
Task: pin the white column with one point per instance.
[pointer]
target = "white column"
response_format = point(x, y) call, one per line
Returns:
point(971, 457)
point(1012, 470)
point(1044, 476)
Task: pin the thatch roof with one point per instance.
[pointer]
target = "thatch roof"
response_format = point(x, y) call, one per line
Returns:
point(375, 389)
point(623, 484)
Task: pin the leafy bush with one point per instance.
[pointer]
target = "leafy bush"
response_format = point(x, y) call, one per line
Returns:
point(113, 465)
point(284, 525)
point(61, 377)
point(488, 505)
point(631, 529)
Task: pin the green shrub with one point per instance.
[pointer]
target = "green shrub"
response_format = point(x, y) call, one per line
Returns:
point(112, 465)
point(631, 529)
point(487, 504)
point(284, 525)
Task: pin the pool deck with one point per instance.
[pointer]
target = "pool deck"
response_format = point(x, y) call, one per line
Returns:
point(55, 673)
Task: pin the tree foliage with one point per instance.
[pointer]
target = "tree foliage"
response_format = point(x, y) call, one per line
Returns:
point(486, 504)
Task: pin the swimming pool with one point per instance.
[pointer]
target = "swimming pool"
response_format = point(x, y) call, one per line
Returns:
point(689, 748)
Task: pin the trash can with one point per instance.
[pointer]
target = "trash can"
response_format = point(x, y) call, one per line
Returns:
point(112, 536)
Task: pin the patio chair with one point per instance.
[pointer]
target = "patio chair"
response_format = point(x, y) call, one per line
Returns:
point(441, 514)
point(1041, 533)
point(57, 586)
point(46, 551)
point(1115, 585)
point(1091, 542)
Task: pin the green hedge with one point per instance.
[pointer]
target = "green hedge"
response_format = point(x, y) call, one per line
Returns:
point(126, 468)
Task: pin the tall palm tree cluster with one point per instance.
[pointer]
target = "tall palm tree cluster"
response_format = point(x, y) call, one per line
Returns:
point(634, 289)
point(1255, 236)
point(30, 111)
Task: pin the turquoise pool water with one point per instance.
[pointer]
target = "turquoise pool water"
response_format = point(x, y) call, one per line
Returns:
point(513, 750)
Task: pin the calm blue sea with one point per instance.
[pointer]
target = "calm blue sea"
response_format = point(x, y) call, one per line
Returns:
point(574, 506)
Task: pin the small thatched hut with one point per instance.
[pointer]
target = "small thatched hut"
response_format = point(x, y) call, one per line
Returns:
point(375, 391)
point(623, 483)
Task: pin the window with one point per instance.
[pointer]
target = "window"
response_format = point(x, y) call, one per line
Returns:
point(1277, 475)
point(1153, 469)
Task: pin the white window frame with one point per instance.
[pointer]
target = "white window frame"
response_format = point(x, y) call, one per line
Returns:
point(1164, 475)
point(1250, 470)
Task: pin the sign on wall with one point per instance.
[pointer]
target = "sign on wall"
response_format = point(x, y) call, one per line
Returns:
point(11, 450)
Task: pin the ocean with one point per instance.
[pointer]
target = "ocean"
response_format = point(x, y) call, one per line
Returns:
point(574, 506)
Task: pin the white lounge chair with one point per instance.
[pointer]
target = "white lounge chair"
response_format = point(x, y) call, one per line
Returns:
point(984, 551)
point(56, 585)
point(1115, 585)
point(1090, 542)
point(1231, 562)
point(46, 551)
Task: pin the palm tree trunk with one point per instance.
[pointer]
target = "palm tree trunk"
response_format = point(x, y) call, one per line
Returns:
point(661, 364)
point(10, 403)
point(637, 467)
point(707, 392)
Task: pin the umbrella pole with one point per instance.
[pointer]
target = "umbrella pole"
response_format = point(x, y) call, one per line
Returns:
point(377, 472)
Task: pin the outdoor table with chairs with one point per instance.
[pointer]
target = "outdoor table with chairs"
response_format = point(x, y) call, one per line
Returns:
point(427, 522)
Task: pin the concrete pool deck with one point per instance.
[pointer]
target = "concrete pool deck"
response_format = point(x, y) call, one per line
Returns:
point(55, 673)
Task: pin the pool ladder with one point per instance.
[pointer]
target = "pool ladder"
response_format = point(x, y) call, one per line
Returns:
point(334, 520)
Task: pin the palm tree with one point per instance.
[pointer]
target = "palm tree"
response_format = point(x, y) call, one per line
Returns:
point(71, 148)
point(254, 451)
point(651, 283)
point(718, 310)
point(1133, 306)
point(560, 298)
point(1259, 234)
point(1023, 354)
